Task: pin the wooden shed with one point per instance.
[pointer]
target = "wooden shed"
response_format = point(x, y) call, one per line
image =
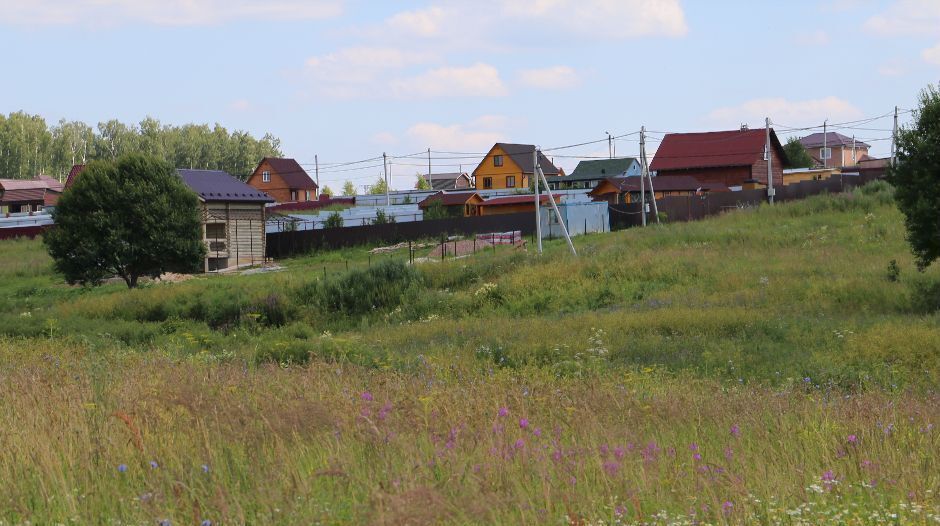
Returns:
point(233, 218)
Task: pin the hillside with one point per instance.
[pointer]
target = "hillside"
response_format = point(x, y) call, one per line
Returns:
point(764, 366)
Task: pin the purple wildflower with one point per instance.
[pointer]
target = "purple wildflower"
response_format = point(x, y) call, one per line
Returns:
point(693, 447)
point(153, 464)
point(697, 457)
point(828, 477)
point(537, 432)
point(620, 511)
point(367, 396)
point(205, 468)
point(503, 411)
point(519, 444)
point(611, 467)
point(852, 439)
point(807, 380)
point(619, 453)
point(604, 450)
point(205, 522)
point(727, 507)
point(523, 423)
point(122, 468)
point(729, 454)
point(735, 431)
point(386, 409)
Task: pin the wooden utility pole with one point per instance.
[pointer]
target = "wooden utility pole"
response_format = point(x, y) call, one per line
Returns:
point(388, 199)
point(768, 151)
point(894, 138)
point(825, 151)
point(538, 213)
point(430, 179)
point(316, 167)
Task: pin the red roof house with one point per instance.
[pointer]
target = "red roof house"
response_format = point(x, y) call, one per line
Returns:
point(513, 203)
point(284, 180)
point(732, 158)
point(454, 203)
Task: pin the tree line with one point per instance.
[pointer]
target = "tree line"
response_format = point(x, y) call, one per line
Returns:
point(29, 147)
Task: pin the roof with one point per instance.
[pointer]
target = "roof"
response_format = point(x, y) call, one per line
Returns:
point(73, 174)
point(20, 195)
point(42, 188)
point(446, 181)
point(517, 200)
point(666, 183)
point(832, 139)
point(602, 167)
point(291, 172)
point(42, 182)
point(683, 151)
point(216, 185)
point(449, 198)
point(521, 154)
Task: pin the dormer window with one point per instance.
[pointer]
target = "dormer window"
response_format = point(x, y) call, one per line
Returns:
point(266, 176)
point(497, 160)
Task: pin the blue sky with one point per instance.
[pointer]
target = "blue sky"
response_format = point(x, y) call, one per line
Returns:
point(348, 79)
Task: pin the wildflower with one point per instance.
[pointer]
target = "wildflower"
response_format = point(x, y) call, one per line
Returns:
point(523, 423)
point(806, 380)
point(367, 396)
point(852, 439)
point(619, 453)
point(729, 454)
point(519, 444)
point(693, 447)
point(537, 432)
point(620, 511)
point(503, 411)
point(205, 522)
point(727, 507)
point(153, 464)
point(604, 450)
point(697, 457)
point(735, 430)
point(205, 468)
point(556, 456)
point(122, 468)
point(828, 477)
point(164, 522)
point(611, 467)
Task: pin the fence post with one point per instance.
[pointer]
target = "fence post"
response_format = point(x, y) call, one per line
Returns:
point(443, 247)
point(455, 249)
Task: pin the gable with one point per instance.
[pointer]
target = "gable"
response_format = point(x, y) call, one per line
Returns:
point(284, 172)
point(684, 151)
point(486, 165)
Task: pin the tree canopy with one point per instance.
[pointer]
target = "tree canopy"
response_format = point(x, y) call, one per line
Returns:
point(131, 217)
point(379, 187)
point(916, 177)
point(349, 189)
point(422, 182)
point(28, 146)
point(797, 154)
point(326, 190)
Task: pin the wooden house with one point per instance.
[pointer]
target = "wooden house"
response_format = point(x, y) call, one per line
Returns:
point(626, 190)
point(284, 180)
point(513, 204)
point(455, 204)
point(29, 195)
point(510, 166)
point(732, 158)
point(233, 218)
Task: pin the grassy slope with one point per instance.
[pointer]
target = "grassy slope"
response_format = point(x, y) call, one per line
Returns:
point(650, 345)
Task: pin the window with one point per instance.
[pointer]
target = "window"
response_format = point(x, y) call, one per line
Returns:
point(487, 182)
point(825, 153)
point(510, 181)
point(497, 160)
point(266, 176)
point(215, 231)
point(308, 195)
point(293, 195)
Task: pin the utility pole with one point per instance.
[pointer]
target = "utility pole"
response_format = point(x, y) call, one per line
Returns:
point(430, 179)
point(551, 198)
point(388, 199)
point(770, 163)
point(854, 154)
point(825, 150)
point(610, 146)
point(538, 213)
point(316, 166)
point(894, 138)
point(646, 177)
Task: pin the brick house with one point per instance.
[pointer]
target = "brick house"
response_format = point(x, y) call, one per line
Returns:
point(733, 158)
point(284, 180)
point(834, 150)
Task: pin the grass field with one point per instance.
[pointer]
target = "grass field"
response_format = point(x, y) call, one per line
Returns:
point(767, 366)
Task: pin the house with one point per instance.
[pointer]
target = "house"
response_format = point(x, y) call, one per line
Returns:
point(284, 180)
point(455, 204)
point(29, 195)
point(449, 181)
point(625, 190)
point(797, 175)
point(509, 166)
point(873, 167)
point(589, 174)
point(732, 158)
point(233, 218)
point(834, 149)
point(73, 174)
point(513, 204)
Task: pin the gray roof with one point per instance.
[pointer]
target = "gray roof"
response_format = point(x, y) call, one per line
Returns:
point(521, 154)
point(832, 139)
point(602, 168)
point(217, 185)
point(446, 181)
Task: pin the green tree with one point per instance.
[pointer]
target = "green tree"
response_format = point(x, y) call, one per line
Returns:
point(382, 218)
point(422, 183)
point(326, 190)
point(349, 189)
point(436, 210)
point(916, 177)
point(379, 187)
point(131, 217)
point(334, 220)
point(797, 154)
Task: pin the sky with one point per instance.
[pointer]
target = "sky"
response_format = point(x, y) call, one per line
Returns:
point(349, 80)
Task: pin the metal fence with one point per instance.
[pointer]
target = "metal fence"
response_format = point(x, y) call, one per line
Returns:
point(287, 244)
point(696, 207)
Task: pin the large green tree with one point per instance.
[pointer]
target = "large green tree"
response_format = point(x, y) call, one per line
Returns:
point(132, 217)
point(916, 178)
point(379, 187)
point(349, 189)
point(797, 154)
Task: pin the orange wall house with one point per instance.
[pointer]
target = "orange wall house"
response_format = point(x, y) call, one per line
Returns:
point(509, 166)
point(513, 204)
point(284, 180)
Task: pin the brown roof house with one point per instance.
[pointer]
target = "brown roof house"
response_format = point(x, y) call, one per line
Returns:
point(510, 166)
point(28, 195)
point(733, 158)
point(834, 150)
point(625, 190)
point(284, 180)
point(454, 204)
point(449, 181)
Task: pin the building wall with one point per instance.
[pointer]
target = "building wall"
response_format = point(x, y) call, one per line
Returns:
point(759, 169)
point(277, 188)
point(499, 173)
point(507, 209)
point(244, 231)
point(730, 176)
point(841, 156)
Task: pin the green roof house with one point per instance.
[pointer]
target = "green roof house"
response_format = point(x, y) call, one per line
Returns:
point(588, 174)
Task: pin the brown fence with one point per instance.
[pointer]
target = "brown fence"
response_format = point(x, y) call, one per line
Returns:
point(23, 231)
point(287, 244)
point(696, 207)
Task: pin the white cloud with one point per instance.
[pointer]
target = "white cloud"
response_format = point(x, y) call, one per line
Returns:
point(241, 105)
point(99, 13)
point(932, 55)
point(476, 136)
point(605, 18)
point(422, 22)
point(907, 18)
point(793, 113)
point(813, 39)
point(478, 80)
point(360, 71)
point(385, 139)
point(893, 68)
point(556, 77)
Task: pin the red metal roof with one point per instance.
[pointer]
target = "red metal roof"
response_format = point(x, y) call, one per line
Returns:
point(517, 200)
point(22, 195)
point(448, 198)
point(291, 172)
point(73, 174)
point(671, 183)
point(683, 151)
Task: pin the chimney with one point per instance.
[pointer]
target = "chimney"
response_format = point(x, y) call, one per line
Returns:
point(744, 127)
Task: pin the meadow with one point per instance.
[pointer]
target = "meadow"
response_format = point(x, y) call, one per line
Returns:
point(774, 365)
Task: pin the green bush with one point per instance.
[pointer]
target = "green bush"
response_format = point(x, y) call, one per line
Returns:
point(382, 286)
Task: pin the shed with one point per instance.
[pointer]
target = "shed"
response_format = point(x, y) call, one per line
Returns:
point(455, 204)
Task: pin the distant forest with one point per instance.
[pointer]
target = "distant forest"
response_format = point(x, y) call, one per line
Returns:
point(29, 147)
